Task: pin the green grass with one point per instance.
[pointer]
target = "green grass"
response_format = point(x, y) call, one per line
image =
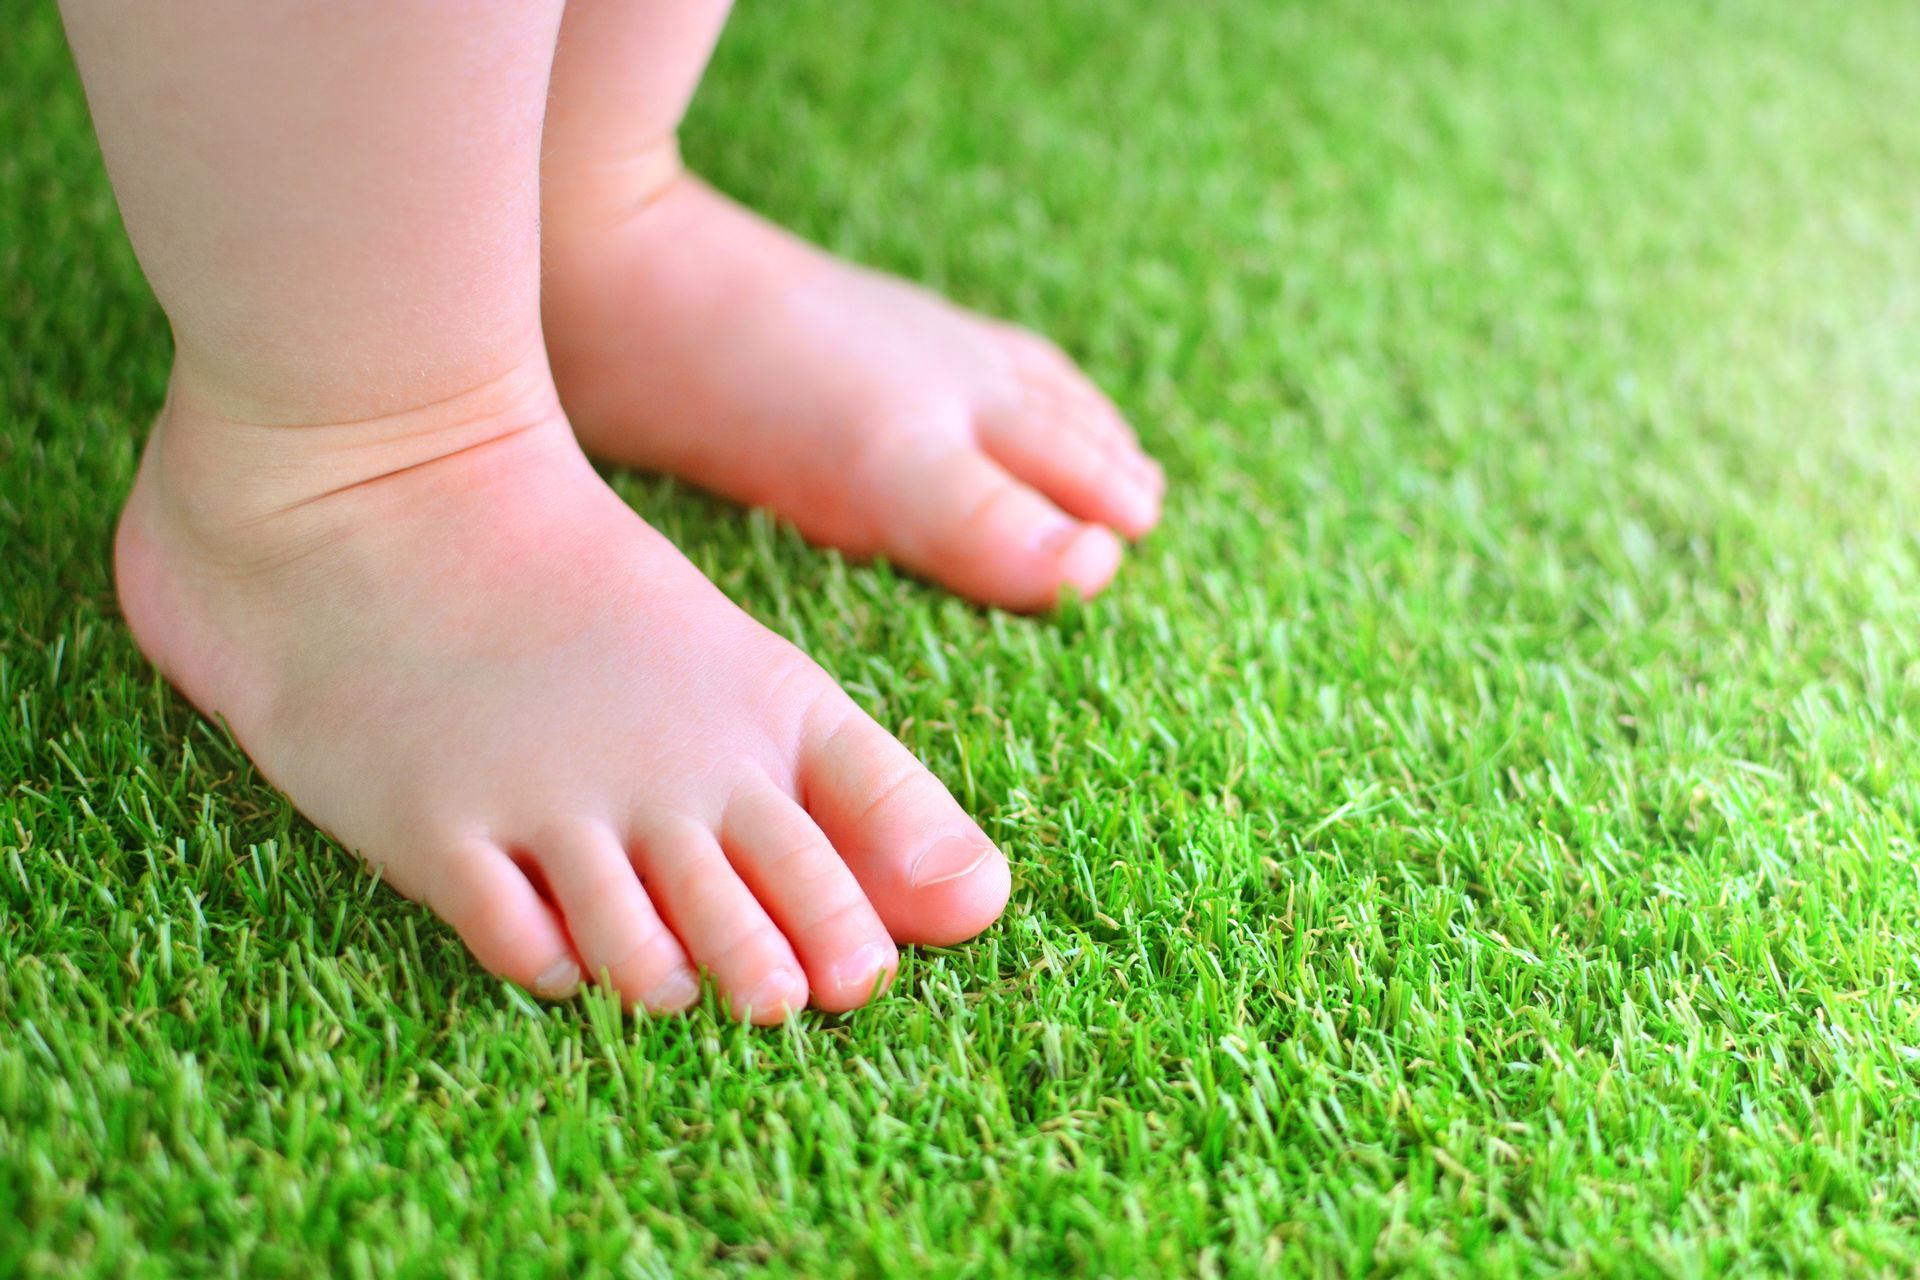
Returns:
point(1475, 837)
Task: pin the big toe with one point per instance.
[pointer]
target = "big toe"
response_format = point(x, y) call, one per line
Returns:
point(929, 871)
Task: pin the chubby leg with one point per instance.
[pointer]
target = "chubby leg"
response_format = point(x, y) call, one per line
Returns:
point(623, 74)
point(690, 336)
point(363, 534)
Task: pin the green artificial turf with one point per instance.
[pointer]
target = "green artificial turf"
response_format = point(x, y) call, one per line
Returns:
point(1475, 836)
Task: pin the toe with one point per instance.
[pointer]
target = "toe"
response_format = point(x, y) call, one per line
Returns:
point(617, 932)
point(1047, 372)
point(808, 890)
point(1051, 447)
point(723, 927)
point(505, 922)
point(1061, 434)
point(929, 871)
point(970, 526)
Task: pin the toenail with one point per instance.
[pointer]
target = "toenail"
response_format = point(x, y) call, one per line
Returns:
point(1137, 468)
point(560, 978)
point(1090, 562)
point(776, 991)
point(1054, 538)
point(675, 991)
point(947, 859)
point(865, 967)
point(1142, 498)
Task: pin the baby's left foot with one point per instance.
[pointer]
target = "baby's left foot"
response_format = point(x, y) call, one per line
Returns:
point(688, 335)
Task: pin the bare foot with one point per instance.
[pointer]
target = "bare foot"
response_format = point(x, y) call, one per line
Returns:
point(690, 336)
point(466, 658)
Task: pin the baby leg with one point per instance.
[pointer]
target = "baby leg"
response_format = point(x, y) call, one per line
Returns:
point(364, 536)
point(690, 336)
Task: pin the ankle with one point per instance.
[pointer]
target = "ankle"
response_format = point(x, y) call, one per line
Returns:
point(216, 479)
point(583, 199)
point(229, 521)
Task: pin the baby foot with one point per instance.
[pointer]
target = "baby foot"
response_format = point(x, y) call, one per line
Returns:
point(690, 336)
point(461, 654)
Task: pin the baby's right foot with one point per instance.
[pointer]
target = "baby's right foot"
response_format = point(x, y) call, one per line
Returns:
point(462, 655)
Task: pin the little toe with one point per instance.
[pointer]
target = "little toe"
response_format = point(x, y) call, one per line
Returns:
point(723, 927)
point(929, 871)
point(967, 524)
point(505, 922)
point(616, 930)
point(811, 895)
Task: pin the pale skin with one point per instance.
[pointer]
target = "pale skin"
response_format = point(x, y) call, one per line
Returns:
point(365, 535)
